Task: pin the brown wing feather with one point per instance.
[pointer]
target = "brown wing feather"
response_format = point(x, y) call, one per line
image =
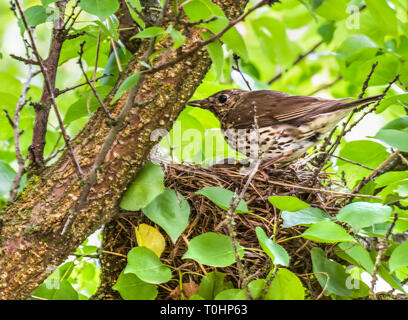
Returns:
point(273, 107)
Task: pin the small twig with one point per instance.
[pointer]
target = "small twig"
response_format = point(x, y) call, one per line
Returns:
point(382, 246)
point(72, 17)
point(326, 86)
point(367, 80)
point(9, 118)
point(299, 59)
point(139, 13)
point(269, 282)
point(236, 68)
point(25, 60)
point(210, 40)
point(338, 157)
point(189, 24)
point(374, 107)
point(59, 92)
point(338, 193)
point(102, 104)
point(345, 129)
point(17, 133)
point(375, 173)
point(399, 205)
point(50, 89)
point(111, 137)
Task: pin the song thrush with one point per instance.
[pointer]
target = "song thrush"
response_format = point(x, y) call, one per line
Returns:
point(287, 125)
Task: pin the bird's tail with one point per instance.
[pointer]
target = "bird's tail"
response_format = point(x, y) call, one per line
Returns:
point(360, 102)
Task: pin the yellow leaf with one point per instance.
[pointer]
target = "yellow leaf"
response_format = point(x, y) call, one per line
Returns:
point(149, 237)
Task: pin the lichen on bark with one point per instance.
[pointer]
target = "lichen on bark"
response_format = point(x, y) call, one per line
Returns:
point(30, 237)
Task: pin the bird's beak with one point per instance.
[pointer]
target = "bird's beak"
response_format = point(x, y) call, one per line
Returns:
point(197, 103)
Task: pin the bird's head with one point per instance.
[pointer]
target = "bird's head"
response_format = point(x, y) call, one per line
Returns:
point(219, 103)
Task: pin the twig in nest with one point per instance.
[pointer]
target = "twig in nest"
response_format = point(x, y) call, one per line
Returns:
point(382, 246)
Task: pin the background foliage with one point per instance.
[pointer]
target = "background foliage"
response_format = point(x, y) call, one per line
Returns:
point(304, 47)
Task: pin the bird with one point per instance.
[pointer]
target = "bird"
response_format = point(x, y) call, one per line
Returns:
point(270, 125)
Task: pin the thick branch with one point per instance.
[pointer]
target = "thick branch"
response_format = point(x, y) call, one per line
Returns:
point(31, 234)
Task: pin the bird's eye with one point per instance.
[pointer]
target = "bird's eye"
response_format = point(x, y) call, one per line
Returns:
point(223, 98)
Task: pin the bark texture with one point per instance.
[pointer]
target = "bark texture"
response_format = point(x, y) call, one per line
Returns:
point(30, 237)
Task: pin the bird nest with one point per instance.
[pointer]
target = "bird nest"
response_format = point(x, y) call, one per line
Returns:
point(207, 217)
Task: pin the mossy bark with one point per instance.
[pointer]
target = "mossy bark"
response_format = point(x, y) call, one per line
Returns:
point(113, 265)
point(30, 237)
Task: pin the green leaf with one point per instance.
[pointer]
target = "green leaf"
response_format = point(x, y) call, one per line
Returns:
point(331, 275)
point(384, 273)
point(356, 254)
point(216, 53)
point(303, 217)
point(65, 270)
point(145, 264)
point(233, 39)
point(363, 214)
point(212, 284)
point(285, 286)
point(129, 83)
point(270, 32)
point(277, 253)
point(232, 294)
point(398, 99)
point(399, 257)
point(178, 38)
point(395, 134)
point(100, 8)
point(202, 9)
point(47, 2)
point(150, 32)
point(390, 177)
point(326, 31)
point(170, 211)
point(327, 232)
point(7, 175)
point(36, 15)
point(384, 16)
point(212, 249)
point(147, 185)
point(79, 108)
point(354, 45)
point(55, 290)
point(111, 66)
point(332, 9)
point(368, 153)
point(131, 287)
point(222, 198)
point(376, 230)
point(288, 203)
point(256, 288)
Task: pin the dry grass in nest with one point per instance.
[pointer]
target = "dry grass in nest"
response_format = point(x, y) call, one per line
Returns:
point(207, 217)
